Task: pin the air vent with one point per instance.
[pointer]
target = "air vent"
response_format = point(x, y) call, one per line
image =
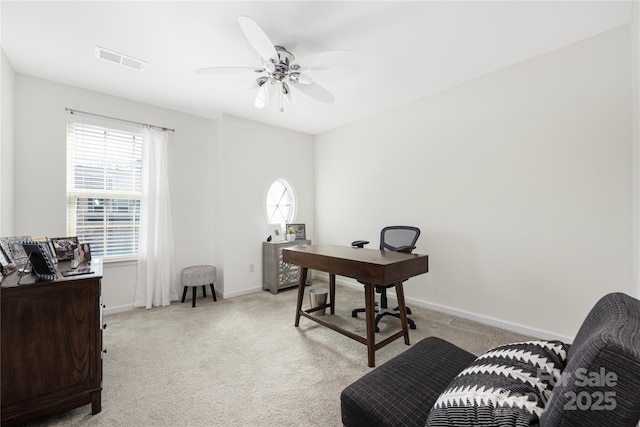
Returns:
point(119, 58)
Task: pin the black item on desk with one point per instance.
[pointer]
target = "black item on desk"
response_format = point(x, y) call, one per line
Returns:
point(41, 262)
point(77, 272)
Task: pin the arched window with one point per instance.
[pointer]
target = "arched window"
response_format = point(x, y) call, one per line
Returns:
point(280, 203)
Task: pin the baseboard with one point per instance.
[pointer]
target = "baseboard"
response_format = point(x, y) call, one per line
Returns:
point(487, 320)
point(119, 309)
point(129, 307)
point(242, 292)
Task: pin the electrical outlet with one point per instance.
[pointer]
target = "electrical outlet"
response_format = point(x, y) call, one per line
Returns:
point(251, 268)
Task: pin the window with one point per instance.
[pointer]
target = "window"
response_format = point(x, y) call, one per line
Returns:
point(104, 184)
point(280, 203)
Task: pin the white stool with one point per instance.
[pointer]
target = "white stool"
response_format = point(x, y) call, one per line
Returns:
point(198, 275)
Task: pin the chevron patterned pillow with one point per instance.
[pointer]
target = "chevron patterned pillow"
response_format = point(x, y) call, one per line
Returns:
point(506, 386)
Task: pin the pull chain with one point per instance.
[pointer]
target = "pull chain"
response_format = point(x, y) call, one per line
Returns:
point(280, 98)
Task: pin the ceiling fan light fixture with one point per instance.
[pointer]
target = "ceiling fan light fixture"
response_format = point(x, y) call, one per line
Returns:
point(269, 66)
point(281, 69)
point(262, 98)
point(283, 91)
point(284, 56)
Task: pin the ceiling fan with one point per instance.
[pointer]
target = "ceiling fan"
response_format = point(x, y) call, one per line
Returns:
point(280, 70)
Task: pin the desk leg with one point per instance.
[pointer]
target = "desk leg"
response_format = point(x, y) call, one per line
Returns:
point(403, 311)
point(332, 292)
point(369, 304)
point(301, 285)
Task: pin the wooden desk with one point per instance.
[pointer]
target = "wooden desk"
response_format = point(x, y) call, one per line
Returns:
point(371, 267)
point(51, 344)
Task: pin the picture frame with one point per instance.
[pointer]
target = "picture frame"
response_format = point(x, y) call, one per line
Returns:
point(12, 247)
point(8, 266)
point(49, 246)
point(275, 231)
point(299, 230)
point(41, 263)
point(84, 253)
point(64, 246)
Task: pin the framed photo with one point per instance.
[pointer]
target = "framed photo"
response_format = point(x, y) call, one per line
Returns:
point(49, 246)
point(12, 247)
point(298, 230)
point(275, 230)
point(64, 246)
point(8, 266)
point(41, 262)
point(84, 253)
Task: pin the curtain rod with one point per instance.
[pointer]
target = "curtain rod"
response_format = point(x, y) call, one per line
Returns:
point(121, 120)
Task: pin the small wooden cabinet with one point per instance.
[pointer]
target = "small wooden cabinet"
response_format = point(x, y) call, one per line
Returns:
point(277, 274)
point(51, 344)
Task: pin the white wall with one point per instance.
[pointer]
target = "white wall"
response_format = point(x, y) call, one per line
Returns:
point(254, 156)
point(520, 181)
point(40, 170)
point(7, 85)
point(218, 173)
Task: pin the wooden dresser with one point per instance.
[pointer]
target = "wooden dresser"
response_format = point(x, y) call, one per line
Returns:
point(51, 344)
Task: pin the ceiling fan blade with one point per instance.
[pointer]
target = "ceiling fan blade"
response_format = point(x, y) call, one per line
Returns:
point(224, 71)
point(264, 94)
point(297, 77)
point(324, 60)
point(304, 79)
point(314, 90)
point(258, 38)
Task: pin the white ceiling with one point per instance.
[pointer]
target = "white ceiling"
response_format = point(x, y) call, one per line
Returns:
point(404, 50)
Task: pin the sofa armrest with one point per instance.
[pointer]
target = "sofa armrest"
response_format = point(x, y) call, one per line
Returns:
point(601, 380)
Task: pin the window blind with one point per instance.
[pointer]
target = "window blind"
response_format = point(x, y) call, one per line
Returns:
point(104, 185)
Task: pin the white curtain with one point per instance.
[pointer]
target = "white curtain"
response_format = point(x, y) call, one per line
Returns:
point(155, 286)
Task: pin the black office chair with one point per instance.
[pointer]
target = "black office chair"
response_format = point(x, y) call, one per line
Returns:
point(399, 238)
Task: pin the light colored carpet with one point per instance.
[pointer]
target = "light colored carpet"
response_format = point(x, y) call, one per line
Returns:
point(241, 362)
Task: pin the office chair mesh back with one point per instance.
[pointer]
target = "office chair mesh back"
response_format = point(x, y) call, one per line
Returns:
point(391, 238)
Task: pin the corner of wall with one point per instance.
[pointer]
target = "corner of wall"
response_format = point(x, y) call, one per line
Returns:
point(635, 143)
point(7, 143)
point(219, 203)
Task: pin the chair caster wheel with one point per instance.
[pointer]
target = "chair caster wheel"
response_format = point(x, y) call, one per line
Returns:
point(412, 326)
point(377, 329)
point(354, 314)
point(408, 310)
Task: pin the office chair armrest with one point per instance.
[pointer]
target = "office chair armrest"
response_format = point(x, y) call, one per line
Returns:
point(359, 243)
point(406, 249)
